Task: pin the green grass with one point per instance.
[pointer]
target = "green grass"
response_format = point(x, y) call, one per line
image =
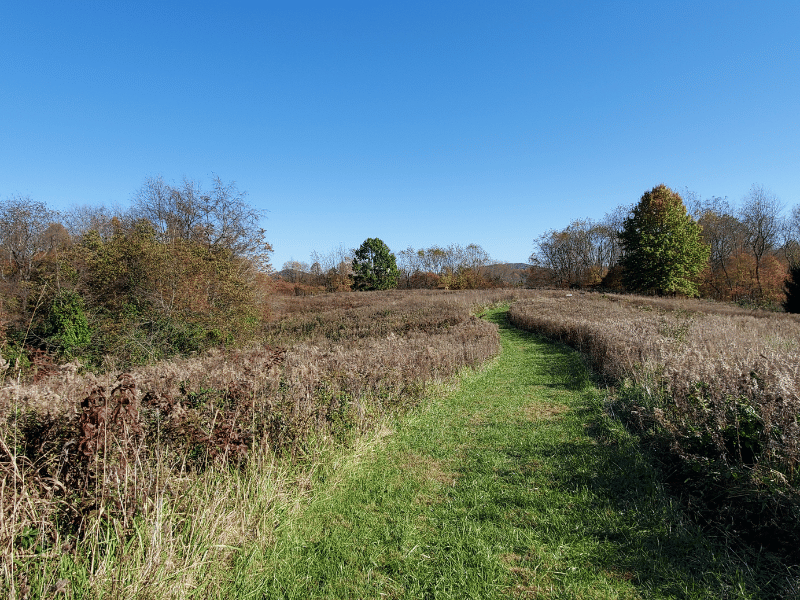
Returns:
point(515, 485)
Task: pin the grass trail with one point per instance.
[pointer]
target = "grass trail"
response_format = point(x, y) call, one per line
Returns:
point(515, 485)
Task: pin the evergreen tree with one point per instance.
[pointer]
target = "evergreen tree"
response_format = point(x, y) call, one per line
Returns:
point(792, 302)
point(374, 266)
point(663, 249)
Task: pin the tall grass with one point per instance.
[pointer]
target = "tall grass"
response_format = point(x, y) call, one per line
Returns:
point(145, 483)
point(714, 385)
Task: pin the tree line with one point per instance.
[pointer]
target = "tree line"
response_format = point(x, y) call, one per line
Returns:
point(180, 270)
point(185, 267)
point(454, 267)
point(745, 252)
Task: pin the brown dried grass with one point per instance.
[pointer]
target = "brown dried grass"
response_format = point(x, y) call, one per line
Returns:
point(723, 380)
point(83, 450)
point(713, 386)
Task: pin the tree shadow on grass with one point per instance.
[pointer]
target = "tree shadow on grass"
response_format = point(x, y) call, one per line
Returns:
point(618, 498)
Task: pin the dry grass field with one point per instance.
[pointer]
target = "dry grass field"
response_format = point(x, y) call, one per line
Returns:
point(161, 462)
point(85, 454)
point(713, 386)
point(725, 380)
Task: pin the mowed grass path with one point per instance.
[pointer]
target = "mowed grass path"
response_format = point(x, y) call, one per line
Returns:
point(515, 485)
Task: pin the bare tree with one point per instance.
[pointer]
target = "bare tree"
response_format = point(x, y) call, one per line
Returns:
point(726, 238)
point(763, 224)
point(175, 212)
point(336, 267)
point(608, 230)
point(219, 218)
point(434, 259)
point(553, 253)
point(578, 255)
point(475, 258)
point(452, 257)
point(81, 219)
point(791, 238)
point(23, 223)
point(28, 235)
point(408, 261)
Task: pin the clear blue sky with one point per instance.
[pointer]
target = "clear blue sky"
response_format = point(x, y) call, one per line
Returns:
point(419, 122)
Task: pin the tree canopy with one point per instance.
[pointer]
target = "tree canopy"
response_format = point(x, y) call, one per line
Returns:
point(663, 249)
point(374, 266)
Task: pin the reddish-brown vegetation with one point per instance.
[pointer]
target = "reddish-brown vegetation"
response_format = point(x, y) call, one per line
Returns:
point(81, 448)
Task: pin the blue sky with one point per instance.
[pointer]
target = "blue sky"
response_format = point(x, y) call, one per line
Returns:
point(417, 122)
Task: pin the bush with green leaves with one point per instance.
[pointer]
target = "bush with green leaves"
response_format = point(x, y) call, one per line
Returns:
point(67, 328)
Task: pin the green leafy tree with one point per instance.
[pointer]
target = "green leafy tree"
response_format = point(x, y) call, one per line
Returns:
point(663, 248)
point(374, 266)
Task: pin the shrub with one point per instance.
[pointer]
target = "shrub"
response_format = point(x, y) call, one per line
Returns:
point(67, 328)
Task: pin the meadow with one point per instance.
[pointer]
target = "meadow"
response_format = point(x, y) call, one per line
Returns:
point(91, 461)
point(146, 482)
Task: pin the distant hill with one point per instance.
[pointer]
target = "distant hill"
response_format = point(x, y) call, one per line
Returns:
point(287, 274)
point(513, 273)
